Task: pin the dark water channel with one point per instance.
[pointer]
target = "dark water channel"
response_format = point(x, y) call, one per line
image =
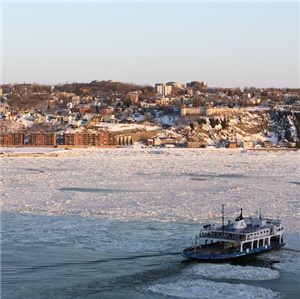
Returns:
point(69, 271)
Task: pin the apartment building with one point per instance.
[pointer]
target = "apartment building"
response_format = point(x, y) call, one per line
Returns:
point(12, 139)
point(42, 139)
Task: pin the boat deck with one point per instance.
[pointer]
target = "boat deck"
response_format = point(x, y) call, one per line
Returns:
point(206, 249)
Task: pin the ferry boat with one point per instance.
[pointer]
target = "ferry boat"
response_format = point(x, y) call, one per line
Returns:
point(243, 237)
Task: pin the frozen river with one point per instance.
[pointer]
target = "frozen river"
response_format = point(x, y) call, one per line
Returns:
point(111, 223)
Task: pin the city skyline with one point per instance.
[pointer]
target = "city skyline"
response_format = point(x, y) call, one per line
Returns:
point(228, 44)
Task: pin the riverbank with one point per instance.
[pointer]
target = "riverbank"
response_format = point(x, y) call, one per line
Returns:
point(14, 152)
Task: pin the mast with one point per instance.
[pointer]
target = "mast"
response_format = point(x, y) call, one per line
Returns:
point(223, 220)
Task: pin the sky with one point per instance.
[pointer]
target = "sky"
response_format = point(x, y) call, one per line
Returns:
point(226, 44)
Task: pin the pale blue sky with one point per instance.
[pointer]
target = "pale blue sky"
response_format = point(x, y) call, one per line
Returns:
point(227, 44)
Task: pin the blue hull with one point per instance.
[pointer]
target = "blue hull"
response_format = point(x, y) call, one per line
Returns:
point(228, 256)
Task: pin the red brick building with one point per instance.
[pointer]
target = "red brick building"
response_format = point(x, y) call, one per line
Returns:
point(42, 139)
point(90, 139)
point(12, 139)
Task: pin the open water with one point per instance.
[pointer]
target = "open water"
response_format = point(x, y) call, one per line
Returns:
point(67, 269)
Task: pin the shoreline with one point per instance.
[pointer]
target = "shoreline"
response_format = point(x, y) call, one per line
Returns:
point(14, 152)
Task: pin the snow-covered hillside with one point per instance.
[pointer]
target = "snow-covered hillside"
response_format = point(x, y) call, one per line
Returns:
point(257, 125)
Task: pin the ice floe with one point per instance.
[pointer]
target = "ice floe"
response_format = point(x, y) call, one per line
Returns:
point(208, 289)
point(227, 271)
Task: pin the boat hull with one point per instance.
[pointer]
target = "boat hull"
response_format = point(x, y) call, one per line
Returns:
point(191, 254)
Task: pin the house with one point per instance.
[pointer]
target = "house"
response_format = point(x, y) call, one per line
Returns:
point(231, 145)
point(133, 97)
point(169, 141)
point(247, 144)
point(157, 142)
point(195, 144)
point(107, 110)
point(286, 143)
point(268, 144)
point(149, 142)
point(169, 145)
point(255, 100)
